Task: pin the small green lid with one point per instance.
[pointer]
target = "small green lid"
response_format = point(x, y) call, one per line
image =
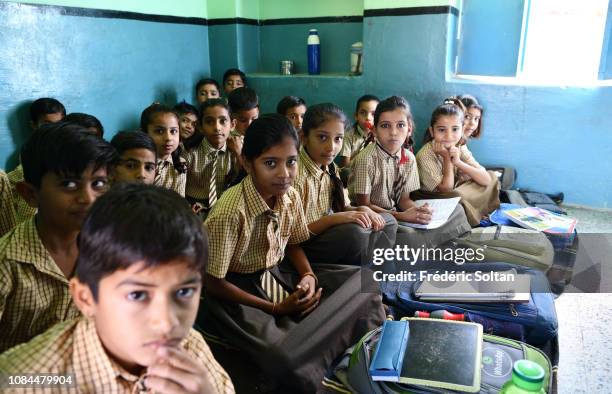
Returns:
point(527, 375)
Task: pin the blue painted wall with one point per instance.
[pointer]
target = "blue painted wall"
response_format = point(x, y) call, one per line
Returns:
point(111, 68)
point(558, 139)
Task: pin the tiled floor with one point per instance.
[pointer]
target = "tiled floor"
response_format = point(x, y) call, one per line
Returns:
point(585, 320)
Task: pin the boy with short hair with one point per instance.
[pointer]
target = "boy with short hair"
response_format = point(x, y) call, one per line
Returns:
point(233, 79)
point(46, 110)
point(87, 121)
point(205, 89)
point(65, 170)
point(42, 111)
point(139, 300)
point(244, 109)
point(137, 157)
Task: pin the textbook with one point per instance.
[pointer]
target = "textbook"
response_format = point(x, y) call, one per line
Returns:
point(445, 354)
point(541, 220)
point(389, 356)
point(442, 209)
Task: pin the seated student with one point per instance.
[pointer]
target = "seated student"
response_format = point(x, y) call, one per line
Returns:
point(292, 322)
point(7, 209)
point(46, 110)
point(244, 108)
point(294, 109)
point(340, 234)
point(356, 138)
point(447, 171)
point(188, 121)
point(233, 79)
point(212, 161)
point(385, 173)
point(162, 125)
point(206, 88)
point(474, 112)
point(90, 122)
point(42, 111)
point(137, 157)
point(139, 300)
point(65, 170)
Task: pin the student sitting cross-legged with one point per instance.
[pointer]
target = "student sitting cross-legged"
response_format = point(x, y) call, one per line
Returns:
point(291, 321)
point(66, 169)
point(138, 300)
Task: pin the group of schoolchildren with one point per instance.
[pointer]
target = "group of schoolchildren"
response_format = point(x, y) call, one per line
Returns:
point(254, 229)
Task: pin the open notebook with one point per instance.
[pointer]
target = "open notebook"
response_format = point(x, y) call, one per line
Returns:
point(442, 209)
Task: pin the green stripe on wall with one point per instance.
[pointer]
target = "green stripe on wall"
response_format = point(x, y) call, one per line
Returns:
point(390, 4)
point(278, 9)
point(187, 8)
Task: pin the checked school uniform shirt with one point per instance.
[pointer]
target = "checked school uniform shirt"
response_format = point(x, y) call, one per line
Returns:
point(314, 185)
point(167, 176)
point(374, 172)
point(7, 209)
point(17, 209)
point(430, 166)
point(242, 237)
point(34, 292)
point(199, 163)
point(73, 347)
point(354, 141)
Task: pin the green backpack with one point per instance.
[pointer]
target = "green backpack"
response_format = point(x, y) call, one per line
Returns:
point(527, 248)
point(498, 355)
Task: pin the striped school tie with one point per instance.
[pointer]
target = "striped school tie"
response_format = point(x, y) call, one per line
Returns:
point(212, 187)
point(399, 182)
point(273, 289)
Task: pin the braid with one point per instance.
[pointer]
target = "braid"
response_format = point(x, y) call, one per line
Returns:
point(337, 190)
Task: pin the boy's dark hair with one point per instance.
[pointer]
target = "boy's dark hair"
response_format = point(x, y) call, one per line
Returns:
point(87, 121)
point(452, 106)
point(234, 71)
point(183, 108)
point(117, 233)
point(206, 81)
point(365, 98)
point(196, 139)
point(289, 102)
point(214, 102)
point(242, 99)
point(314, 117)
point(126, 140)
point(66, 149)
point(147, 117)
point(470, 101)
point(44, 106)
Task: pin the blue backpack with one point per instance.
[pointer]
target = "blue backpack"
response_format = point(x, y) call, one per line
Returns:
point(533, 322)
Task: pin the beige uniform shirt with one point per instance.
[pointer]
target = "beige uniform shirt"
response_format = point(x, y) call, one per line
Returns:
point(199, 163)
point(374, 172)
point(430, 167)
point(73, 347)
point(354, 141)
point(243, 238)
point(167, 176)
point(34, 292)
